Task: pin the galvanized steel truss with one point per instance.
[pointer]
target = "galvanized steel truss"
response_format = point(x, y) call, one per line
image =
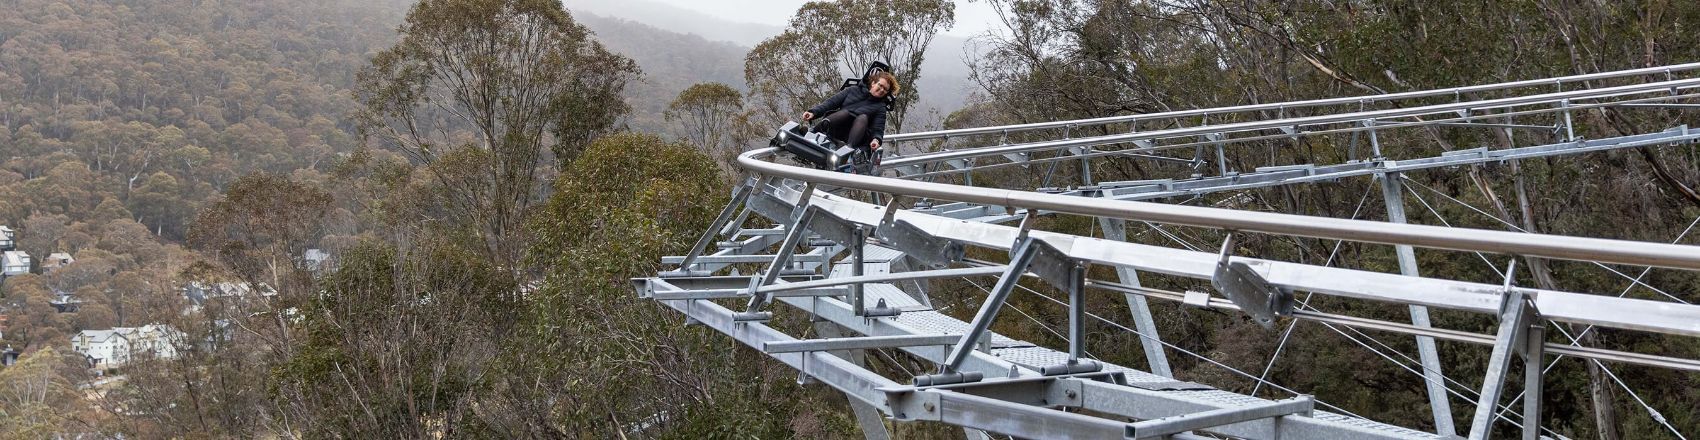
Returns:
point(857, 253)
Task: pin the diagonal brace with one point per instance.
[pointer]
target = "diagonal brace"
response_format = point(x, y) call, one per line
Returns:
point(720, 221)
point(793, 234)
point(1026, 249)
point(1517, 311)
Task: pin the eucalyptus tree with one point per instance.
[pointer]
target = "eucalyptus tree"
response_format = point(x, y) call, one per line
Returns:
point(707, 116)
point(481, 93)
point(829, 40)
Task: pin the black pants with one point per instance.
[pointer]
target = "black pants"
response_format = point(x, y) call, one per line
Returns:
point(843, 126)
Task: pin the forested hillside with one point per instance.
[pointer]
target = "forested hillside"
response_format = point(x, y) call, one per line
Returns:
point(121, 119)
point(118, 122)
point(188, 154)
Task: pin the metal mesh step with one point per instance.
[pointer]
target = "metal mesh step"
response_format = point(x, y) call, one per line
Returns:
point(932, 322)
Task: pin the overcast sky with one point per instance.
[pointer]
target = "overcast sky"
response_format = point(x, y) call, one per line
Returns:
point(972, 16)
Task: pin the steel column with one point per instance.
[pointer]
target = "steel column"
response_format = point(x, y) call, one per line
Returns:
point(1077, 311)
point(856, 250)
point(1534, 347)
point(867, 416)
point(1392, 190)
point(1157, 361)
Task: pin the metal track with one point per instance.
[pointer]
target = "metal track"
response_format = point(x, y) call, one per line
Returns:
point(865, 266)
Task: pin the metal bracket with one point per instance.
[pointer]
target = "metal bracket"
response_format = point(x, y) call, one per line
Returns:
point(770, 206)
point(1197, 299)
point(1027, 219)
point(948, 378)
point(836, 229)
point(1054, 266)
point(880, 310)
point(1071, 367)
point(932, 252)
point(1249, 290)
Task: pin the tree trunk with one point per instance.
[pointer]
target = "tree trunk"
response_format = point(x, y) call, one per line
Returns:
point(1605, 416)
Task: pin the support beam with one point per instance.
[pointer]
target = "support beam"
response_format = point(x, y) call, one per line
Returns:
point(1533, 365)
point(835, 291)
point(1392, 190)
point(720, 221)
point(738, 259)
point(1156, 360)
point(1160, 428)
point(887, 278)
point(867, 416)
point(800, 216)
point(1000, 416)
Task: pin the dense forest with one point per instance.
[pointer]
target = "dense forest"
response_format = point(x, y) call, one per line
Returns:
point(486, 175)
point(123, 119)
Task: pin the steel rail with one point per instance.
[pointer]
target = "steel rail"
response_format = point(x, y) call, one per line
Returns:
point(1288, 175)
point(1276, 124)
point(1005, 129)
point(1461, 239)
point(1240, 140)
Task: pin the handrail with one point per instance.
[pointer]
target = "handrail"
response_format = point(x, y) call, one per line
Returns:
point(1287, 105)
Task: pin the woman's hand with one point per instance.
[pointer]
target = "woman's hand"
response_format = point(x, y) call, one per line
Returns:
point(875, 144)
point(808, 116)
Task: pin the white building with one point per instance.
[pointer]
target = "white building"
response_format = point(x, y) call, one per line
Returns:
point(116, 347)
point(6, 237)
point(199, 293)
point(14, 263)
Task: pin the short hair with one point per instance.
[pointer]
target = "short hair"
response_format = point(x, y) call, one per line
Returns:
point(889, 78)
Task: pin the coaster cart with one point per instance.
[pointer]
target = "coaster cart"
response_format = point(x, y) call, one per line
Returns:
point(822, 151)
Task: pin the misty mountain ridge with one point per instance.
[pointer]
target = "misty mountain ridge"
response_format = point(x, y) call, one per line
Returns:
point(678, 20)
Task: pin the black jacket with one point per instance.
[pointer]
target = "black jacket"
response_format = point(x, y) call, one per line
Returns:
point(857, 101)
